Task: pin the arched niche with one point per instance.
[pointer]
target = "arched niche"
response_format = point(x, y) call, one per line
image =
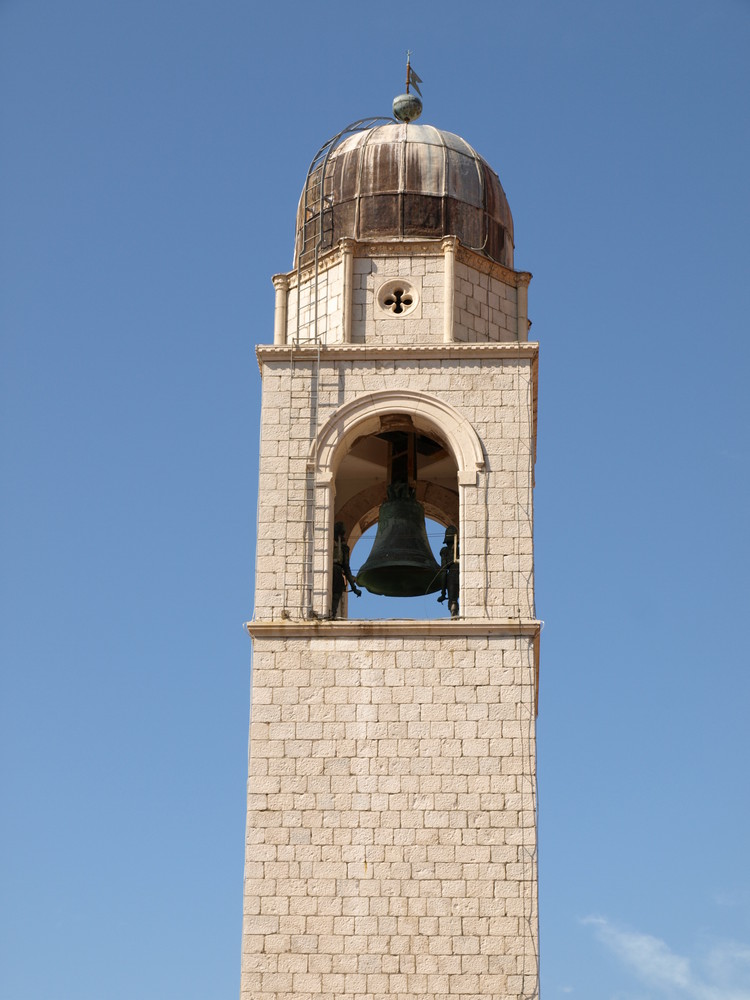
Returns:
point(350, 460)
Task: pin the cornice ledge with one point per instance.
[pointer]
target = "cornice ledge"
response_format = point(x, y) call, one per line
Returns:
point(406, 246)
point(380, 352)
point(326, 260)
point(403, 246)
point(402, 628)
point(472, 258)
point(370, 248)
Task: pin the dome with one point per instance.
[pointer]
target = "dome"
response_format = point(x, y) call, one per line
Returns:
point(399, 181)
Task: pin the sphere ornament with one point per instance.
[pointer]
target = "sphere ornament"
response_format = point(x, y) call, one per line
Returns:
point(407, 107)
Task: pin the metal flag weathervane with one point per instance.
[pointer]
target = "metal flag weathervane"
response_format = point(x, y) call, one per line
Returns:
point(412, 80)
point(408, 107)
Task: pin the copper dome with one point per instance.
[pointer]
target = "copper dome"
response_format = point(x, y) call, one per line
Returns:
point(398, 181)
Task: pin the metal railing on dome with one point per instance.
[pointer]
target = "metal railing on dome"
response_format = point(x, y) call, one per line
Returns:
point(314, 235)
point(316, 231)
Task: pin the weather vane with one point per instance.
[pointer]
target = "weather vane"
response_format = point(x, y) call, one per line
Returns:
point(408, 107)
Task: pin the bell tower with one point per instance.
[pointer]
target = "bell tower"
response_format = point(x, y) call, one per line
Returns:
point(391, 832)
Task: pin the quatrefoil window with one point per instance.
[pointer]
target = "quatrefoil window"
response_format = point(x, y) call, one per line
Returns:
point(397, 297)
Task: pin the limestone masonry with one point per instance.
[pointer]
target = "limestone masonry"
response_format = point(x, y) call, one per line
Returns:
point(391, 831)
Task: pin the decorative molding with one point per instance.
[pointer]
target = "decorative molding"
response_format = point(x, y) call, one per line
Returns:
point(397, 352)
point(416, 247)
point(400, 248)
point(400, 628)
point(484, 265)
point(325, 262)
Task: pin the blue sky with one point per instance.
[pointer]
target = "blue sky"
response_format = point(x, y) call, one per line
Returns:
point(151, 158)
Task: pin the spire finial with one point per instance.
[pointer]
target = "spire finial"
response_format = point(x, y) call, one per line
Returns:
point(408, 107)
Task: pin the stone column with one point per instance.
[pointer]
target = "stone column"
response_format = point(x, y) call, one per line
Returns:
point(281, 284)
point(522, 308)
point(347, 256)
point(449, 286)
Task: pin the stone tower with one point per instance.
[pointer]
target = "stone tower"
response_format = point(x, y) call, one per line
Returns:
point(391, 833)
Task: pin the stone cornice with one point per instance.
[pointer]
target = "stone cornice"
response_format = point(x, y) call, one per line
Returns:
point(327, 260)
point(400, 352)
point(416, 247)
point(484, 265)
point(402, 628)
point(399, 248)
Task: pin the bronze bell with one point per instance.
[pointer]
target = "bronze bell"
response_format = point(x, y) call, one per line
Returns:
point(401, 563)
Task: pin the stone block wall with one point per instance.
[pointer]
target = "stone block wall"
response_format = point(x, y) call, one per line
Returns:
point(326, 300)
point(485, 308)
point(391, 844)
point(373, 325)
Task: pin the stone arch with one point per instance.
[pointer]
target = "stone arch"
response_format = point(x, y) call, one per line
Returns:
point(363, 416)
point(368, 415)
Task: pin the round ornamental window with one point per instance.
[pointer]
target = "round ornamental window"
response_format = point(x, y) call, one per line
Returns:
point(397, 297)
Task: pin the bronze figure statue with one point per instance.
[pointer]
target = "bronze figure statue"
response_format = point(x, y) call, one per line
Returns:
point(449, 570)
point(342, 573)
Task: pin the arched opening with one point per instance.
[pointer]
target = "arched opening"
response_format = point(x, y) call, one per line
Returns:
point(395, 462)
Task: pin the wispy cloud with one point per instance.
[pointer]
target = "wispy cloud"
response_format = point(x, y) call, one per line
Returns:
point(732, 897)
point(724, 975)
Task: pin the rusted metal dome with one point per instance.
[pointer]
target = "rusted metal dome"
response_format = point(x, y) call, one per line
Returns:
point(399, 181)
